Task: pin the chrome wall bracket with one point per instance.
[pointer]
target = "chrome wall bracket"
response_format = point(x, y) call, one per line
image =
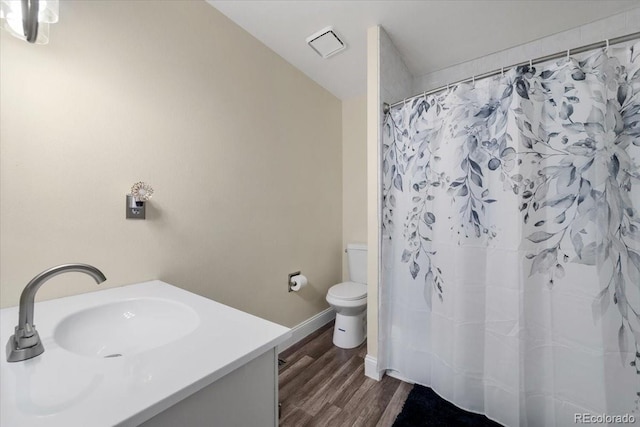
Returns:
point(289, 282)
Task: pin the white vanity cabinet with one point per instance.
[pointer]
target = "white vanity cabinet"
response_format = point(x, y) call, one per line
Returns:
point(246, 397)
point(149, 354)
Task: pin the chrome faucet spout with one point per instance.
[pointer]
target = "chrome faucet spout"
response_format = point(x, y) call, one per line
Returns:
point(25, 343)
point(28, 296)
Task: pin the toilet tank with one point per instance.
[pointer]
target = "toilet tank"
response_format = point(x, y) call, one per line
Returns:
point(357, 258)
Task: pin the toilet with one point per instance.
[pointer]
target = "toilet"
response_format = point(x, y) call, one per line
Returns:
point(349, 300)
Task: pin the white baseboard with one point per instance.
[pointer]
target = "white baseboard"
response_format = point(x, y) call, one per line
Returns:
point(396, 375)
point(306, 328)
point(371, 368)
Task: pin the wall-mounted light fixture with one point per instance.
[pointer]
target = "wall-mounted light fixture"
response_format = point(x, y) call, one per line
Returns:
point(29, 19)
point(140, 193)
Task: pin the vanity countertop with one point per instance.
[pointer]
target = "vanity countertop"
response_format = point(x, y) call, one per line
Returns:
point(66, 389)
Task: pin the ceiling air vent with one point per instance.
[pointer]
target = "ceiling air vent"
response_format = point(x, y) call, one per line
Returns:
point(326, 42)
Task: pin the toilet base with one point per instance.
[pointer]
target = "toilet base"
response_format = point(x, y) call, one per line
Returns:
point(350, 331)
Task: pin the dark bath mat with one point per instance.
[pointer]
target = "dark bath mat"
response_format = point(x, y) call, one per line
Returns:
point(424, 408)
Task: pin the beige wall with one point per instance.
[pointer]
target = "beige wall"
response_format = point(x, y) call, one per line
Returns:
point(243, 150)
point(354, 175)
point(373, 133)
point(387, 78)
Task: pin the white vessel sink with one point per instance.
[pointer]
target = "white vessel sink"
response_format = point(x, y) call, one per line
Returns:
point(125, 327)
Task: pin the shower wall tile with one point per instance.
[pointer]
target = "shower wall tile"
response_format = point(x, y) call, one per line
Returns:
point(395, 78)
point(467, 70)
point(633, 20)
point(608, 28)
point(488, 62)
point(527, 51)
point(563, 41)
point(447, 74)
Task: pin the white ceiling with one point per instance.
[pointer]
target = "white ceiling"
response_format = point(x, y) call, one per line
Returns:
point(430, 35)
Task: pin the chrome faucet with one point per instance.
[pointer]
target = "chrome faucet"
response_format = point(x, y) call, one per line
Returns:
point(25, 343)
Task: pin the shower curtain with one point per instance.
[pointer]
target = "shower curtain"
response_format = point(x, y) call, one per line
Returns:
point(510, 242)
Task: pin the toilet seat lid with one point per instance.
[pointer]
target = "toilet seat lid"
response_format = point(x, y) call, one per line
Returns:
point(348, 291)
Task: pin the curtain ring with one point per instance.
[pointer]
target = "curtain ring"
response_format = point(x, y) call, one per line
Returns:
point(607, 46)
point(473, 80)
point(502, 71)
point(530, 64)
point(447, 86)
point(568, 53)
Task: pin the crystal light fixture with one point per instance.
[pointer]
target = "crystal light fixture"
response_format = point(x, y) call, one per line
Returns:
point(140, 193)
point(29, 19)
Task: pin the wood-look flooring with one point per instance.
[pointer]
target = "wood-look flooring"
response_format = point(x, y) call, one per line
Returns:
point(323, 385)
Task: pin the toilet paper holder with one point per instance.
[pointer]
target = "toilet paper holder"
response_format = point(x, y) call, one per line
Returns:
point(289, 282)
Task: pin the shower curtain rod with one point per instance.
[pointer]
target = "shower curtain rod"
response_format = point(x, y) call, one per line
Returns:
point(606, 43)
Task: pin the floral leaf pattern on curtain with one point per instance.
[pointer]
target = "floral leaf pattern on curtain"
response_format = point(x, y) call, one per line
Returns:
point(563, 139)
point(584, 169)
point(414, 155)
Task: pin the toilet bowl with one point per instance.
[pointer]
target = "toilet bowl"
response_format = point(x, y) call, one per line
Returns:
point(349, 300)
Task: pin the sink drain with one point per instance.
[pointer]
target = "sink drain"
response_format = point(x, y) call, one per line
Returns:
point(112, 355)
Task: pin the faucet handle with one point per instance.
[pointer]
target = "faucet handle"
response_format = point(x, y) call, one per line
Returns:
point(26, 337)
point(25, 332)
point(23, 348)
